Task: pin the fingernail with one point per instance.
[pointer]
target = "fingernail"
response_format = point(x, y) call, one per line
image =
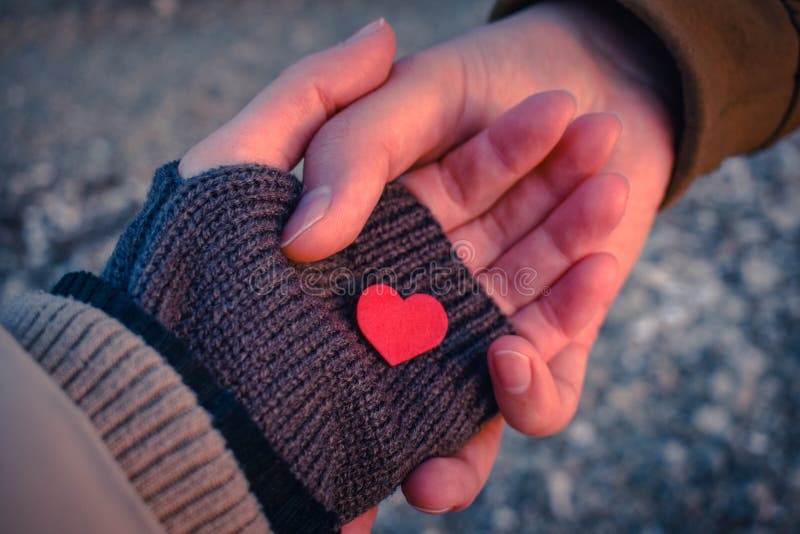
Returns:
point(312, 207)
point(369, 29)
point(430, 511)
point(513, 371)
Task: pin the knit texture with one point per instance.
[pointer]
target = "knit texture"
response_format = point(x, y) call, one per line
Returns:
point(148, 419)
point(271, 480)
point(203, 257)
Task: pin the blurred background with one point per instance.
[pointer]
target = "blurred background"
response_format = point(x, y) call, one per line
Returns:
point(689, 419)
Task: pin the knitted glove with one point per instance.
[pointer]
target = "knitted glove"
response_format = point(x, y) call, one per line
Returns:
point(203, 257)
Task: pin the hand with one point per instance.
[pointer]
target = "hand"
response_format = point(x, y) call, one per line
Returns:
point(539, 208)
point(533, 150)
point(291, 110)
point(434, 101)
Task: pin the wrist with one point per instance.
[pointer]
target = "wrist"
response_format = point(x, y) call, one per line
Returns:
point(627, 58)
point(611, 63)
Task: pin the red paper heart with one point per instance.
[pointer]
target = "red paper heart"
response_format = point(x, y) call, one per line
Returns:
point(400, 329)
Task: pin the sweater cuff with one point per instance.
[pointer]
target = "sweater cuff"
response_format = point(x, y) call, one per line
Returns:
point(150, 422)
point(271, 480)
point(283, 337)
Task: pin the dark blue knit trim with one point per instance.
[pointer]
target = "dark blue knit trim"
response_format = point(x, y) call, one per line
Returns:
point(286, 502)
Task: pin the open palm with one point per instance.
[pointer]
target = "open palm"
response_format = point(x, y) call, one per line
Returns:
point(520, 197)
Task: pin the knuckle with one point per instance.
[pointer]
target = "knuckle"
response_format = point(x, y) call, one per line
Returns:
point(454, 188)
point(323, 98)
point(553, 319)
point(310, 94)
point(502, 154)
point(559, 247)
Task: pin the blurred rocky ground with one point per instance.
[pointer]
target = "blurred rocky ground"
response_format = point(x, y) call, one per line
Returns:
point(689, 420)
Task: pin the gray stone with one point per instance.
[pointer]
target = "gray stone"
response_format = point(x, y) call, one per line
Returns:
point(711, 420)
point(760, 274)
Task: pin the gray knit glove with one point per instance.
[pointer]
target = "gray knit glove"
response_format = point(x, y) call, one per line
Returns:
point(203, 257)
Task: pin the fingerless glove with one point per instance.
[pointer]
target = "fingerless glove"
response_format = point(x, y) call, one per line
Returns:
point(203, 257)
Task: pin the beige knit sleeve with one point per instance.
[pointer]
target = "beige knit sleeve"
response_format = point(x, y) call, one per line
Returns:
point(148, 419)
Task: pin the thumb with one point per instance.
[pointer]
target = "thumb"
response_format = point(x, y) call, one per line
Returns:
point(536, 398)
point(413, 115)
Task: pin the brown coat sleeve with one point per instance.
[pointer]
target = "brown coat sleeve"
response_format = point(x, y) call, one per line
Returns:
point(738, 63)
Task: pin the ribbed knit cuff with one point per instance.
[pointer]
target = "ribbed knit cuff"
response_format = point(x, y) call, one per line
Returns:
point(271, 480)
point(148, 419)
point(204, 258)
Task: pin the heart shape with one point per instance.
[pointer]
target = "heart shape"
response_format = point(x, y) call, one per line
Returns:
point(400, 329)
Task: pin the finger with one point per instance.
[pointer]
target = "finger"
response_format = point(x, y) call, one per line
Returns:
point(472, 177)
point(372, 141)
point(550, 399)
point(361, 524)
point(576, 228)
point(581, 152)
point(276, 126)
point(448, 484)
point(551, 321)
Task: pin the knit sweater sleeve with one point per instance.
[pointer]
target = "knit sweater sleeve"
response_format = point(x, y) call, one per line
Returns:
point(738, 66)
point(148, 419)
point(341, 426)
